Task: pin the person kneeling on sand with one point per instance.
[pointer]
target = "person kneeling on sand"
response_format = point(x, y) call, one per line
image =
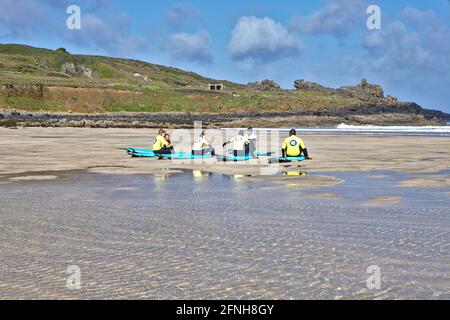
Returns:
point(240, 144)
point(161, 145)
point(202, 146)
point(294, 146)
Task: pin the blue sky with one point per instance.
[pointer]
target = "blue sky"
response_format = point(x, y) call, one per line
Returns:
point(324, 41)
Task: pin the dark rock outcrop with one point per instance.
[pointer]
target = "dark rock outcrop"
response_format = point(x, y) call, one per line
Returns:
point(308, 85)
point(410, 112)
point(391, 98)
point(265, 85)
point(363, 91)
point(73, 70)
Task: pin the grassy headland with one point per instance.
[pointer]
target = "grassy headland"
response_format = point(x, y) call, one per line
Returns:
point(42, 80)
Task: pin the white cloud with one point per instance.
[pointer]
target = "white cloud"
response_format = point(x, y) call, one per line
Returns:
point(194, 47)
point(337, 18)
point(262, 40)
point(420, 43)
point(412, 56)
point(110, 34)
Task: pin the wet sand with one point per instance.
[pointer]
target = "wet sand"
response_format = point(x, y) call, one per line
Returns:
point(214, 236)
point(151, 229)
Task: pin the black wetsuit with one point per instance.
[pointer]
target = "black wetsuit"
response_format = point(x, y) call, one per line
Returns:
point(164, 150)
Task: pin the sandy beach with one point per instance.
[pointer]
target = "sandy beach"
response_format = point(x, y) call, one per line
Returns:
point(219, 211)
point(41, 150)
point(142, 228)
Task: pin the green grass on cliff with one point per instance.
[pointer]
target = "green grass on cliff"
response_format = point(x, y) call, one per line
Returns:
point(115, 87)
point(23, 63)
point(179, 101)
point(30, 104)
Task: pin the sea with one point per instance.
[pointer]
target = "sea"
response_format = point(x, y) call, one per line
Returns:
point(343, 128)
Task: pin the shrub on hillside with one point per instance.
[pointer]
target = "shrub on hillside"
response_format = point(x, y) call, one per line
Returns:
point(265, 85)
point(61, 51)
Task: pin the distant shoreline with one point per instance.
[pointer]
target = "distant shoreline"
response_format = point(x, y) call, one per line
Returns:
point(53, 88)
point(365, 114)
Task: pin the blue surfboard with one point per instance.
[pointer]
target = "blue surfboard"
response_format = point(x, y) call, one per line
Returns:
point(257, 153)
point(286, 159)
point(233, 158)
point(144, 153)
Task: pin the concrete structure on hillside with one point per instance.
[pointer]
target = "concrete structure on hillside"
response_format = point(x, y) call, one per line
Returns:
point(215, 87)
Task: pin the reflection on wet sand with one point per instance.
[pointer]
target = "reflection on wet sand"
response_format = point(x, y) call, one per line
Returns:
point(161, 237)
point(323, 196)
point(199, 175)
point(291, 173)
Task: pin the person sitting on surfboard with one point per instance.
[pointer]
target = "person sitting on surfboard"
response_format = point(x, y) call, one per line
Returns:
point(168, 145)
point(251, 147)
point(239, 143)
point(202, 146)
point(161, 145)
point(294, 146)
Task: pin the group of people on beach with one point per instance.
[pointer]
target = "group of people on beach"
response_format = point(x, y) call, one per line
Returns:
point(244, 144)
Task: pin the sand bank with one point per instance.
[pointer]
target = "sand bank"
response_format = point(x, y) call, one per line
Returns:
point(383, 201)
point(323, 196)
point(435, 181)
point(50, 150)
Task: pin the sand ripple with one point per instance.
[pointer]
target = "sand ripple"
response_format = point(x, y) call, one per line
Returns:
point(139, 237)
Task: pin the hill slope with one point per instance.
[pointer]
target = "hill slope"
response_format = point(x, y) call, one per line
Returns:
point(26, 63)
point(43, 80)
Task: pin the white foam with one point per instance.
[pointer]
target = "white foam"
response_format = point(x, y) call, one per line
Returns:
point(394, 129)
point(371, 129)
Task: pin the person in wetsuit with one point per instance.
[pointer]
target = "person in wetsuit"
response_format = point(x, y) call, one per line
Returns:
point(293, 146)
point(202, 146)
point(161, 145)
point(239, 144)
